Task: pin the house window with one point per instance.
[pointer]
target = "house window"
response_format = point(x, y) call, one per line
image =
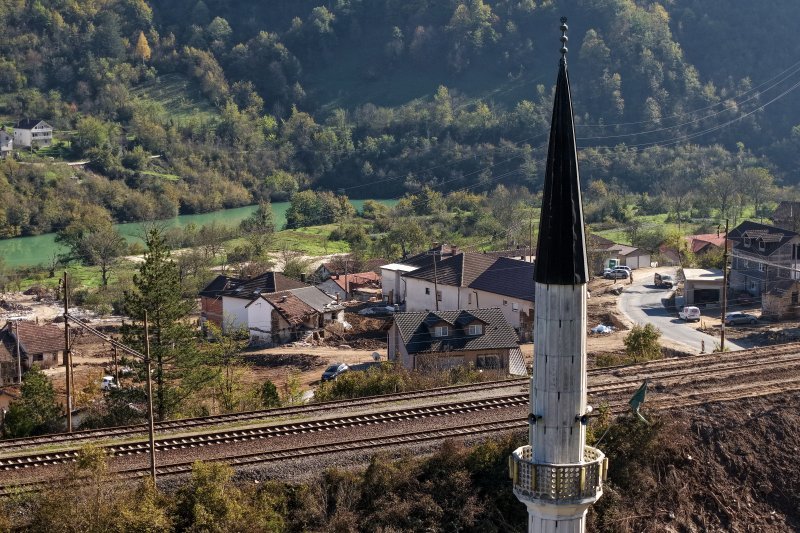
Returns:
point(427, 290)
point(761, 245)
point(475, 329)
point(505, 302)
point(747, 242)
point(514, 306)
point(469, 298)
point(487, 361)
point(441, 331)
point(794, 298)
point(38, 357)
point(762, 267)
point(439, 296)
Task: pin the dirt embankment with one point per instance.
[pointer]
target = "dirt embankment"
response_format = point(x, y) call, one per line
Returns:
point(722, 467)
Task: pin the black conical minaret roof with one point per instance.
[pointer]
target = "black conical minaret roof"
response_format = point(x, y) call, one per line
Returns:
point(561, 248)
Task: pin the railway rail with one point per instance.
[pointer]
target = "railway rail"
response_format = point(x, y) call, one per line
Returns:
point(367, 444)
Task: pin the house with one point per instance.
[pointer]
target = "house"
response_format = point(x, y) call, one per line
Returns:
point(32, 134)
point(706, 242)
point(702, 286)
point(762, 255)
point(604, 253)
point(473, 281)
point(787, 215)
point(290, 315)
point(223, 301)
point(781, 300)
point(362, 286)
point(271, 307)
point(40, 345)
point(393, 286)
point(6, 143)
point(440, 340)
point(341, 265)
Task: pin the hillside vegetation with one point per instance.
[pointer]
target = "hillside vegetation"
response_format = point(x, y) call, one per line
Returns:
point(246, 101)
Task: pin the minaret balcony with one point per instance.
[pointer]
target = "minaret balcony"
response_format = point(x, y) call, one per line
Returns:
point(558, 483)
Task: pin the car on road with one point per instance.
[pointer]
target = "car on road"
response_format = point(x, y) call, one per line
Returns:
point(334, 371)
point(617, 273)
point(663, 280)
point(689, 313)
point(736, 317)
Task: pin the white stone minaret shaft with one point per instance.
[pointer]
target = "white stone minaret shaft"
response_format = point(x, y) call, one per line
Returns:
point(557, 476)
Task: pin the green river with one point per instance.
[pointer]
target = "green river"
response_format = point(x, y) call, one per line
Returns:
point(37, 250)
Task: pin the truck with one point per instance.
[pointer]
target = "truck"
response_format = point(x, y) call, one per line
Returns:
point(663, 281)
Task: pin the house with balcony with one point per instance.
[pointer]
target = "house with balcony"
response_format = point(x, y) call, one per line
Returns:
point(762, 257)
point(32, 134)
point(440, 340)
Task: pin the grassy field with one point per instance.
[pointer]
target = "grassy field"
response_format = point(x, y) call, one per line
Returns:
point(180, 97)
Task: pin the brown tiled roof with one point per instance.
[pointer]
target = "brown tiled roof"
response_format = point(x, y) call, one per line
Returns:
point(291, 308)
point(358, 280)
point(457, 271)
point(34, 339)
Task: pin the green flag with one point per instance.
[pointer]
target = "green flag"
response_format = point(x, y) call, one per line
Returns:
point(638, 399)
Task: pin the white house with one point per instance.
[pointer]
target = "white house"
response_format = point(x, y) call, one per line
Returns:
point(475, 281)
point(32, 133)
point(393, 286)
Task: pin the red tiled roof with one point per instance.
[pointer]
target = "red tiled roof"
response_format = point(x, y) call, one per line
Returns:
point(358, 279)
point(698, 242)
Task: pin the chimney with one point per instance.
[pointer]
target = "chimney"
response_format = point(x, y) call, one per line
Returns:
point(454, 250)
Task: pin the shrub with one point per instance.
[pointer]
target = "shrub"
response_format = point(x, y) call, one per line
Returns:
point(641, 344)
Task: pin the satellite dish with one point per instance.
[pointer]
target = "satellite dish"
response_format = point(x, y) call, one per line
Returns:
point(376, 356)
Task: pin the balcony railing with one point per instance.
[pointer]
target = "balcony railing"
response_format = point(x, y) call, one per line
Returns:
point(558, 482)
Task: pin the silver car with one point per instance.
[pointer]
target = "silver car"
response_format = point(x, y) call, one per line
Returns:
point(735, 318)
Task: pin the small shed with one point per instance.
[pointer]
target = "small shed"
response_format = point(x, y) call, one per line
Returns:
point(702, 286)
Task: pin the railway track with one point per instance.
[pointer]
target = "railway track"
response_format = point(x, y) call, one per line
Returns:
point(368, 444)
point(608, 377)
point(227, 437)
point(260, 415)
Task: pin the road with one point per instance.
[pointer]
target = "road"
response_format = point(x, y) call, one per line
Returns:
point(642, 303)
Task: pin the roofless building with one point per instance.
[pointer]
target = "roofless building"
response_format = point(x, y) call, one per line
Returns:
point(557, 476)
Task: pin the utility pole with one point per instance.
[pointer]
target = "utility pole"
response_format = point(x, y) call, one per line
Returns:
point(150, 416)
point(530, 240)
point(19, 353)
point(67, 353)
point(435, 282)
point(724, 289)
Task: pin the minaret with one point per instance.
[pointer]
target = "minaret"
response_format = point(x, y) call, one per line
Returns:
point(557, 476)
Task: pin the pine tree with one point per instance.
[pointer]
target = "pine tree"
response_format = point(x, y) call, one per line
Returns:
point(142, 48)
point(180, 369)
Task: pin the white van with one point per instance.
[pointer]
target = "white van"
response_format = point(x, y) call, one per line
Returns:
point(689, 313)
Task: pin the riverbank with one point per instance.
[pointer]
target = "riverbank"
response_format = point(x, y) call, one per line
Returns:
point(40, 249)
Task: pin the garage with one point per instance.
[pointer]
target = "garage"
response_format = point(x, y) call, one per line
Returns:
point(702, 286)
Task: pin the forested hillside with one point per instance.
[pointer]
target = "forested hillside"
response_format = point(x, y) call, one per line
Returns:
point(245, 100)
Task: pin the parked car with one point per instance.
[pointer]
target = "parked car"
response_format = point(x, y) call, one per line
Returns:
point(617, 273)
point(334, 371)
point(381, 310)
point(689, 313)
point(108, 383)
point(664, 280)
point(624, 267)
point(732, 319)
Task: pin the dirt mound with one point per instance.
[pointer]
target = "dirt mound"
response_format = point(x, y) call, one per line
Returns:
point(365, 333)
point(723, 467)
point(302, 362)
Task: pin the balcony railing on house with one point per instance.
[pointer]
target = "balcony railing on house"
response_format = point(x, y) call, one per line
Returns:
point(556, 483)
